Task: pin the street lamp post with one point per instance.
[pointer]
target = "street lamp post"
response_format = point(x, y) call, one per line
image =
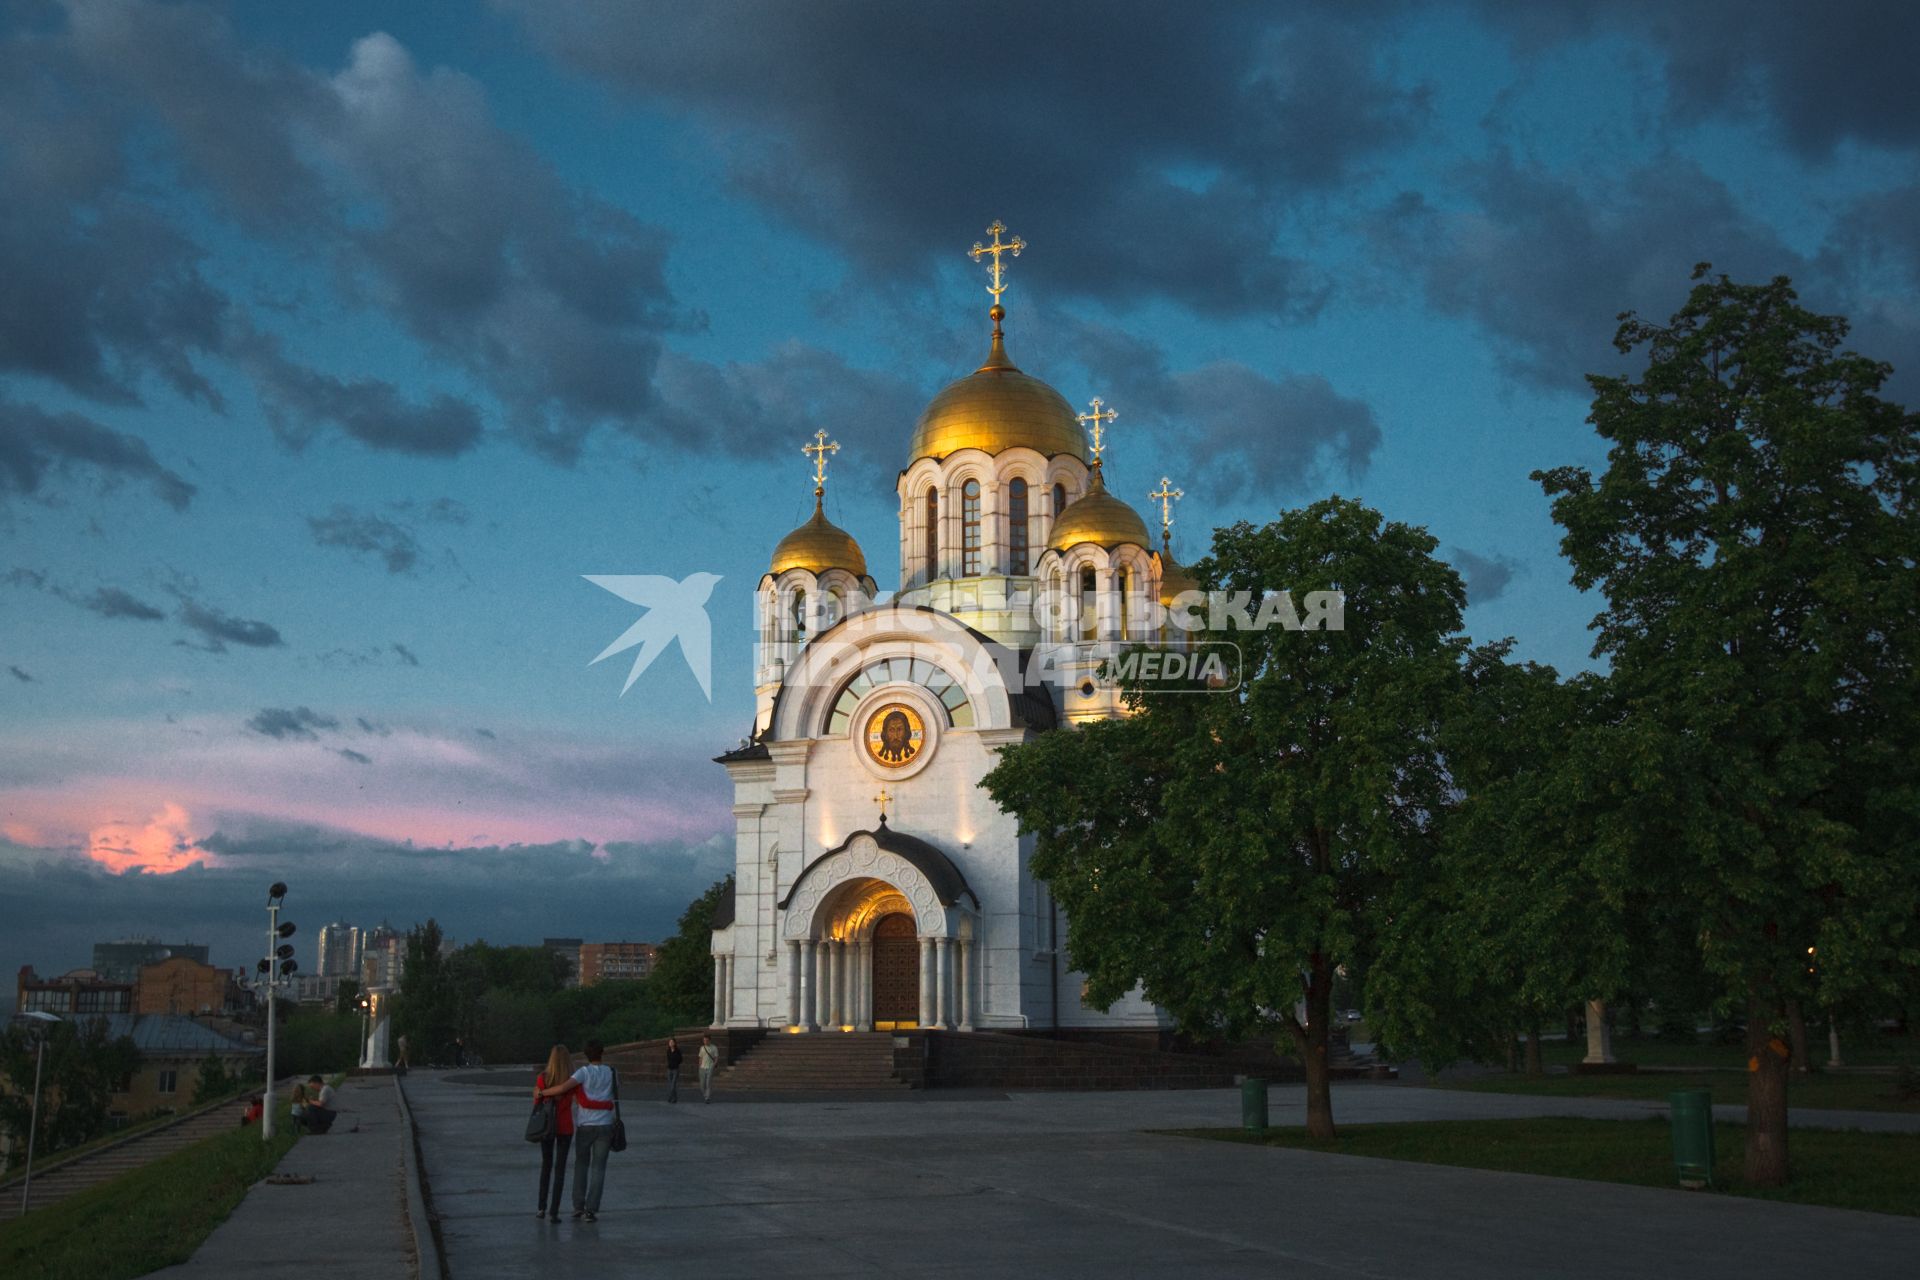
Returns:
point(366, 1029)
point(44, 1021)
point(275, 968)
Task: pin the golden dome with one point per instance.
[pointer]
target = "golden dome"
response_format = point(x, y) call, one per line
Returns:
point(1099, 517)
point(996, 408)
point(1174, 578)
point(817, 546)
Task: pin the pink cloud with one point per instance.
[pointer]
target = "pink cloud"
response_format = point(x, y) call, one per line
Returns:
point(162, 844)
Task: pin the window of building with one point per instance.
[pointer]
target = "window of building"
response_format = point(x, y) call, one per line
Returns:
point(933, 534)
point(970, 529)
point(901, 670)
point(1126, 590)
point(1059, 500)
point(169, 1082)
point(799, 615)
point(1017, 527)
point(1089, 603)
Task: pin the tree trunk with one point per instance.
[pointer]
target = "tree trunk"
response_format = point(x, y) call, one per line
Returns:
point(1797, 1037)
point(1767, 1071)
point(1533, 1050)
point(1319, 1082)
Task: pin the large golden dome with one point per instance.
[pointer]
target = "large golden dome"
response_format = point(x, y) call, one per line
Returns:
point(996, 408)
point(1174, 578)
point(817, 546)
point(1098, 517)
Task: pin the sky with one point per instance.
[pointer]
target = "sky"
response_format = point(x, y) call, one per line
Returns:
point(338, 343)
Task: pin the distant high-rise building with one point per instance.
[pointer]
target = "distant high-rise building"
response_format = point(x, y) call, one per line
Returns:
point(615, 961)
point(122, 959)
point(567, 949)
point(80, 991)
point(381, 951)
point(339, 947)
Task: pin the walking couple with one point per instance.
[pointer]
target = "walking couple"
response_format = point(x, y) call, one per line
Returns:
point(587, 1120)
point(709, 1059)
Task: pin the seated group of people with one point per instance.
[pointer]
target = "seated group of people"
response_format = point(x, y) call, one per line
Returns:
point(312, 1108)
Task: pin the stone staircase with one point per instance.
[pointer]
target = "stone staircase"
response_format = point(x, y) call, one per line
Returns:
point(814, 1062)
point(61, 1180)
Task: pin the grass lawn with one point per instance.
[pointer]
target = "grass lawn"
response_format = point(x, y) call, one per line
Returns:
point(149, 1218)
point(1874, 1171)
point(1821, 1091)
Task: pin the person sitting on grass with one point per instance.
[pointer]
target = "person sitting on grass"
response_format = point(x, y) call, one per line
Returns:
point(320, 1109)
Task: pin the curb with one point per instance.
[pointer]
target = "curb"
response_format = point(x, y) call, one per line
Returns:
point(428, 1264)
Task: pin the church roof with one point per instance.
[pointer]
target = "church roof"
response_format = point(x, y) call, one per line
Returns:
point(1097, 517)
point(948, 884)
point(817, 546)
point(995, 408)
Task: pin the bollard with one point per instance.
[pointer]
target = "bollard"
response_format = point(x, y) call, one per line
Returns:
point(1253, 1104)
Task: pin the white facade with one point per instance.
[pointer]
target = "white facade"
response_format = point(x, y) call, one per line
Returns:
point(911, 699)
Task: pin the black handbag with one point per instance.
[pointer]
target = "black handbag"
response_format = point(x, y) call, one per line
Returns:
point(541, 1121)
point(619, 1142)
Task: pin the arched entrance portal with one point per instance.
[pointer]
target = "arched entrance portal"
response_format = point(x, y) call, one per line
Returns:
point(896, 972)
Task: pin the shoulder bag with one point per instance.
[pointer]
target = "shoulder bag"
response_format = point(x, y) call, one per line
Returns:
point(619, 1126)
point(541, 1122)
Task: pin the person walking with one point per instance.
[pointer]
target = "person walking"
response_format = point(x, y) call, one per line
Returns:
point(673, 1069)
point(554, 1147)
point(709, 1059)
point(592, 1089)
point(405, 1059)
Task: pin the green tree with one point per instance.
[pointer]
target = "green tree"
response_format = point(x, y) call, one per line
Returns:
point(83, 1067)
point(346, 998)
point(681, 984)
point(317, 1041)
point(213, 1082)
point(1754, 536)
point(427, 1011)
point(1230, 850)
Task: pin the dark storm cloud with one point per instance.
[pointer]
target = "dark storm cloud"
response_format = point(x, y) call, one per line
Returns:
point(108, 602)
point(1140, 149)
point(217, 629)
point(395, 653)
point(1234, 429)
point(347, 753)
point(1819, 75)
point(58, 901)
point(35, 444)
point(299, 401)
point(1547, 265)
point(365, 533)
point(286, 723)
point(1487, 576)
point(21, 676)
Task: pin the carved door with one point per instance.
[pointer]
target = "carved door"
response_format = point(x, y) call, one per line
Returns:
point(896, 970)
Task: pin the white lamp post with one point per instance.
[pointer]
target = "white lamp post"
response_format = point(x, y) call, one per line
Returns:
point(43, 1023)
point(276, 968)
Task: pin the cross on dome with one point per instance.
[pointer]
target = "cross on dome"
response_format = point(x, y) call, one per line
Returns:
point(1092, 422)
point(819, 451)
point(1166, 495)
point(996, 270)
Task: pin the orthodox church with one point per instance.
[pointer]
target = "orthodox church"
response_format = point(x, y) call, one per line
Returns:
point(877, 886)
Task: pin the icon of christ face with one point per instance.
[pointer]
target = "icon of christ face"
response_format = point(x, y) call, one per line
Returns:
point(894, 735)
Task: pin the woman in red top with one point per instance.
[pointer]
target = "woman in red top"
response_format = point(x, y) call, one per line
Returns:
point(553, 1148)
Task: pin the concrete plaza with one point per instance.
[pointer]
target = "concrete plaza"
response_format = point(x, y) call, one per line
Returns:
point(1066, 1185)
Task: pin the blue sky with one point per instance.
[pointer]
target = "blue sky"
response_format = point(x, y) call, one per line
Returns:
point(338, 341)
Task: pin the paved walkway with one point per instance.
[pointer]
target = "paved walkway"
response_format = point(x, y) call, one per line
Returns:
point(349, 1223)
point(1065, 1185)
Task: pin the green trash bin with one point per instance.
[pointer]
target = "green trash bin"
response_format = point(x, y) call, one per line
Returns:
point(1253, 1104)
point(1691, 1115)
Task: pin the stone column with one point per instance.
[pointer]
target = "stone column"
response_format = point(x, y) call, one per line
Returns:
point(926, 982)
point(837, 1012)
point(726, 989)
point(806, 986)
point(1599, 1039)
point(719, 991)
point(823, 983)
point(1107, 604)
point(793, 982)
point(943, 984)
point(966, 984)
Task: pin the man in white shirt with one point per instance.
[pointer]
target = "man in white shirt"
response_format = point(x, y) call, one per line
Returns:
point(319, 1112)
point(709, 1059)
point(592, 1087)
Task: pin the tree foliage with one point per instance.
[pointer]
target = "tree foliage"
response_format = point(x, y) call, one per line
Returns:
point(1230, 850)
point(1754, 536)
point(681, 984)
point(83, 1066)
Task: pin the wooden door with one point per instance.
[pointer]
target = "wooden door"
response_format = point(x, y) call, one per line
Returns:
point(896, 970)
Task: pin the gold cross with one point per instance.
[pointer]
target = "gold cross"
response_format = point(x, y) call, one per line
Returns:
point(883, 800)
point(1092, 421)
point(1013, 246)
point(818, 451)
point(1166, 495)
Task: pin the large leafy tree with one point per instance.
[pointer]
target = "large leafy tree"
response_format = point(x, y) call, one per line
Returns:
point(1229, 850)
point(1754, 535)
point(83, 1066)
point(681, 984)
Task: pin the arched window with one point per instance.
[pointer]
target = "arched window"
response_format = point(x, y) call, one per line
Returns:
point(1126, 589)
point(1089, 603)
point(933, 533)
point(1059, 500)
point(799, 615)
point(1017, 527)
point(970, 529)
point(831, 614)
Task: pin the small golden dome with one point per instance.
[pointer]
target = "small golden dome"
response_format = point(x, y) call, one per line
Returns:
point(1099, 517)
point(1174, 578)
point(817, 546)
point(996, 408)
